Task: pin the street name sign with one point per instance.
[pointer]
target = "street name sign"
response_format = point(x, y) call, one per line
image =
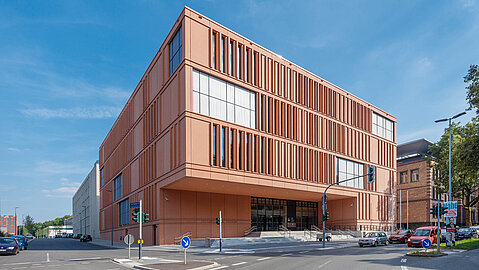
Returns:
point(135, 205)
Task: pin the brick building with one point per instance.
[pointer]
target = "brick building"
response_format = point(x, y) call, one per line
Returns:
point(218, 122)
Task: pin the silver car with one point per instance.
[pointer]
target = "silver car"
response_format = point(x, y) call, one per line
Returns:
point(373, 239)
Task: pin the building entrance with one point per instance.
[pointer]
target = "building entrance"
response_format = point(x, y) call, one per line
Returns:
point(269, 214)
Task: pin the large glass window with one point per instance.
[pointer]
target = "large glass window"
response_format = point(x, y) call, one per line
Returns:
point(348, 169)
point(118, 187)
point(124, 212)
point(102, 177)
point(222, 100)
point(175, 46)
point(383, 127)
point(214, 145)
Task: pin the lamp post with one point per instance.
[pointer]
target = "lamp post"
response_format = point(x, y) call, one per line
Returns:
point(16, 219)
point(84, 208)
point(111, 215)
point(450, 142)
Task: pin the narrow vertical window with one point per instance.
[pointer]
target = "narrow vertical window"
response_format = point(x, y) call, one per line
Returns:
point(231, 149)
point(253, 68)
point(222, 57)
point(175, 51)
point(214, 145)
point(261, 155)
point(102, 177)
point(223, 162)
point(230, 66)
point(240, 165)
point(247, 150)
point(246, 66)
point(238, 61)
point(213, 50)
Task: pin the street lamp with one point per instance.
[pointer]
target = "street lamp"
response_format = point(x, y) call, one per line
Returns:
point(111, 215)
point(84, 208)
point(16, 219)
point(450, 142)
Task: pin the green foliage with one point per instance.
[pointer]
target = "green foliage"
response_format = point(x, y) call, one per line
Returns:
point(472, 78)
point(33, 228)
point(2, 234)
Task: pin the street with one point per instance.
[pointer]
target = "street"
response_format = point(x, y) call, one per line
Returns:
point(61, 253)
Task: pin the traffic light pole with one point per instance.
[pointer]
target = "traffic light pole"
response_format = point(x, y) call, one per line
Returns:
point(221, 221)
point(438, 242)
point(141, 231)
point(324, 199)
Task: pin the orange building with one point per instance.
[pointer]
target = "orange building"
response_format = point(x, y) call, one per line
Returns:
point(218, 122)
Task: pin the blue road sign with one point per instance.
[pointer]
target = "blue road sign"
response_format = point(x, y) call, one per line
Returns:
point(135, 205)
point(185, 242)
point(426, 243)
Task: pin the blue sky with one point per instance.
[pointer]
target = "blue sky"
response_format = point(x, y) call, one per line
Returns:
point(68, 67)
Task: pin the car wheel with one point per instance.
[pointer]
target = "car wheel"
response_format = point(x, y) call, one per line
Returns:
point(25, 248)
point(386, 243)
point(16, 252)
point(360, 245)
point(375, 244)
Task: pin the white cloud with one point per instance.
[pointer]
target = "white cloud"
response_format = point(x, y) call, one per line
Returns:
point(13, 149)
point(97, 112)
point(65, 182)
point(61, 192)
point(52, 167)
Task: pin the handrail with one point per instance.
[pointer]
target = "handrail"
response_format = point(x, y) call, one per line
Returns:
point(250, 230)
point(315, 228)
point(285, 230)
point(178, 239)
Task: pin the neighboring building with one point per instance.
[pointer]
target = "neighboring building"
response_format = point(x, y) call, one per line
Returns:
point(8, 224)
point(218, 122)
point(86, 202)
point(54, 230)
point(69, 222)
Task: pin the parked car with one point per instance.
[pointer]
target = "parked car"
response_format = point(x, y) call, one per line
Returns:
point(420, 234)
point(466, 233)
point(400, 236)
point(77, 236)
point(22, 241)
point(29, 236)
point(373, 239)
point(9, 245)
point(58, 235)
point(85, 238)
point(319, 237)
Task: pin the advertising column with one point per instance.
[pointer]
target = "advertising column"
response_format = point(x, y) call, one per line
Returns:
point(450, 216)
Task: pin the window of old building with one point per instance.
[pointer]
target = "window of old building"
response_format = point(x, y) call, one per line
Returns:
point(415, 175)
point(403, 177)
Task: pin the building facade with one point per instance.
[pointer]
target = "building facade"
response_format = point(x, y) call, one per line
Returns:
point(219, 123)
point(8, 224)
point(86, 203)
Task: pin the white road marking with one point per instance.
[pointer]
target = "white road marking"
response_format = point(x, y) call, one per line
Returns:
point(403, 267)
point(323, 264)
point(54, 265)
point(240, 263)
point(403, 260)
point(23, 267)
point(287, 254)
point(70, 264)
point(221, 267)
point(304, 251)
point(48, 257)
point(262, 259)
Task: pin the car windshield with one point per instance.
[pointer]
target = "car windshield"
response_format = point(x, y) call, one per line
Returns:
point(372, 235)
point(464, 229)
point(6, 241)
point(403, 232)
point(18, 236)
point(422, 233)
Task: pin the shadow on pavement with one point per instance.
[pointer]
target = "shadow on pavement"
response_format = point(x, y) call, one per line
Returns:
point(64, 244)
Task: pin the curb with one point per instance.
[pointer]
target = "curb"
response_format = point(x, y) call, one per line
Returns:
point(432, 255)
point(215, 264)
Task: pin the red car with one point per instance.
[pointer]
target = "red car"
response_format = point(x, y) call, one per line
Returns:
point(400, 236)
point(422, 233)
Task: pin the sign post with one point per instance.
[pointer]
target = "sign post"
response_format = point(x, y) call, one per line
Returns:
point(141, 232)
point(129, 240)
point(221, 221)
point(185, 243)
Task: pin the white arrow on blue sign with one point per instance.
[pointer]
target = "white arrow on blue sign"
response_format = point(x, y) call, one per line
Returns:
point(426, 243)
point(185, 242)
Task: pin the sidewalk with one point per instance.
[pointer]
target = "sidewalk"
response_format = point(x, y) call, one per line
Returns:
point(107, 244)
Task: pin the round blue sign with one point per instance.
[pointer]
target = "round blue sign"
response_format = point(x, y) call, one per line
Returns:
point(185, 242)
point(426, 243)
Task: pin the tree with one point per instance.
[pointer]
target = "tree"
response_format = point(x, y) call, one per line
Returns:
point(472, 78)
point(465, 164)
point(29, 225)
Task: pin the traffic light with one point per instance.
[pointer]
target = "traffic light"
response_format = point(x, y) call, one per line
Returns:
point(325, 216)
point(218, 220)
point(442, 210)
point(136, 215)
point(371, 174)
point(146, 217)
point(433, 211)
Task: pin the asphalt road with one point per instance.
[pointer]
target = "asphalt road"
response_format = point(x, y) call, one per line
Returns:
point(71, 254)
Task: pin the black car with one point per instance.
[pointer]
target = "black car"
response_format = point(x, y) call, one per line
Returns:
point(85, 238)
point(77, 236)
point(9, 245)
point(465, 233)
